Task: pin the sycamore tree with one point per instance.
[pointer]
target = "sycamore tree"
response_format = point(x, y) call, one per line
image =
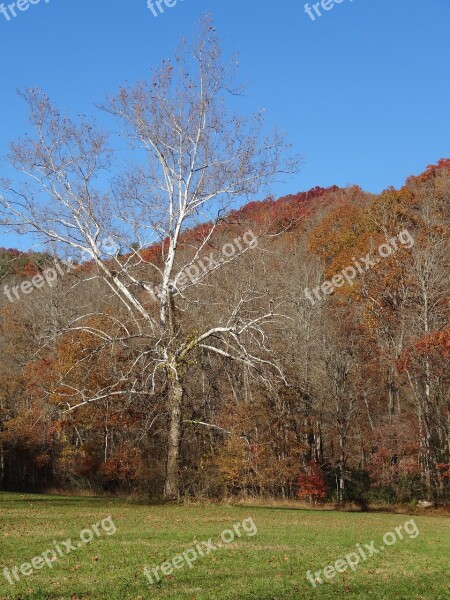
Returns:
point(190, 158)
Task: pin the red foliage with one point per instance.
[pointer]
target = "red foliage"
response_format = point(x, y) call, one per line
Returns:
point(282, 212)
point(431, 172)
point(433, 344)
point(311, 484)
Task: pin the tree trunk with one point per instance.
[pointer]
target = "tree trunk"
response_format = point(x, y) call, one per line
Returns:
point(342, 461)
point(172, 484)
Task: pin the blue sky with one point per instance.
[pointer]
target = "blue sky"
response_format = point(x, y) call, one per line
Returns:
point(363, 91)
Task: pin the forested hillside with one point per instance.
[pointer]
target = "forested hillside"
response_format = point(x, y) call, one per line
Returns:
point(342, 395)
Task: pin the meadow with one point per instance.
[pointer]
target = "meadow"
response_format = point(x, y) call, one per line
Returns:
point(270, 565)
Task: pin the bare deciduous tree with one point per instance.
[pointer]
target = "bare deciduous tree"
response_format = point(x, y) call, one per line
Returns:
point(194, 159)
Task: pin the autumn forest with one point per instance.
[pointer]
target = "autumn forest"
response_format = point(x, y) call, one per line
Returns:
point(355, 406)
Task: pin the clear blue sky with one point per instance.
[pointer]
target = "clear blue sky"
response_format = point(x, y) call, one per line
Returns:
point(363, 91)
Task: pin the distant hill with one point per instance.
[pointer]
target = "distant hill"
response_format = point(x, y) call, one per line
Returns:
point(22, 264)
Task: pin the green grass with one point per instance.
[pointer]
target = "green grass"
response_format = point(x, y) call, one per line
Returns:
point(269, 566)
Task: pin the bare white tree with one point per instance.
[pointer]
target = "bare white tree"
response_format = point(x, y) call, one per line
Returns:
point(194, 159)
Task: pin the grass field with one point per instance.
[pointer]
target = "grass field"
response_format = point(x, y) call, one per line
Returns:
point(269, 565)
